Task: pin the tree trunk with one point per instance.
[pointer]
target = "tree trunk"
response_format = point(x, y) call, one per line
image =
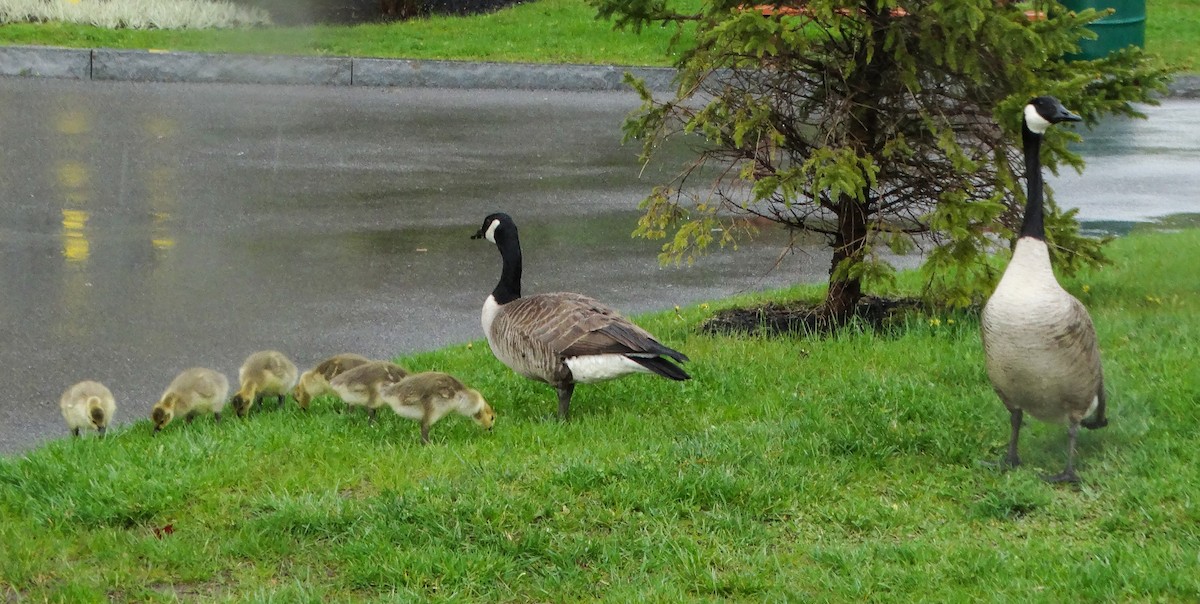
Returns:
point(845, 292)
point(851, 239)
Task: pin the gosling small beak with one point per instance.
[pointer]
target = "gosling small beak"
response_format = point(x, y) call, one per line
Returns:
point(156, 429)
point(102, 430)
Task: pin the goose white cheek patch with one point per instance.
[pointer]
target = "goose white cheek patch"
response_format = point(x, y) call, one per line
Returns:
point(491, 232)
point(1034, 120)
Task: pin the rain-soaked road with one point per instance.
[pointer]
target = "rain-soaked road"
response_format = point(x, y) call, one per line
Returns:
point(145, 228)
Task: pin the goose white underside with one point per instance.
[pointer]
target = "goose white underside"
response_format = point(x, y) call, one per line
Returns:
point(1026, 364)
point(601, 367)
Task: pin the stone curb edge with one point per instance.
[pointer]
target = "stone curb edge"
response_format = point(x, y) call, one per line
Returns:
point(155, 66)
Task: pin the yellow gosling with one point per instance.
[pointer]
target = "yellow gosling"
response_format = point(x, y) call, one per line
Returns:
point(265, 373)
point(315, 381)
point(192, 392)
point(427, 397)
point(360, 386)
point(88, 405)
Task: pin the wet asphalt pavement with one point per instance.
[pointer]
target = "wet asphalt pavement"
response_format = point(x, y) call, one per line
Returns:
point(146, 228)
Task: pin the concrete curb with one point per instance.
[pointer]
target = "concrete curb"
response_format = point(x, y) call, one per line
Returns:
point(1185, 87)
point(153, 66)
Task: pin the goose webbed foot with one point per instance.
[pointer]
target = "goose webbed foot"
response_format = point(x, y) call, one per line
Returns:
point(1067, 476)
point(1010, 462)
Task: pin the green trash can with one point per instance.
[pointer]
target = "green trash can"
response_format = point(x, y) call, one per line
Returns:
point(1125, 27)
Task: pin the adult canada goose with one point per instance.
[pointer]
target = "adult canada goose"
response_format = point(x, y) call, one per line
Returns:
point(193, 391)
point(360, 386)
point(88, 405)
point(315, 381)
point(427, 397)
point(265, 373)
point(563, 338)
point(1038, 340)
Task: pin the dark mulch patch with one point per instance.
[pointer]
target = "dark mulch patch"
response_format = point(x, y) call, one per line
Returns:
point(800, 318)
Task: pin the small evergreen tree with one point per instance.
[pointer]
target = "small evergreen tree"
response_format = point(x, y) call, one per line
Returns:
point(875, 123)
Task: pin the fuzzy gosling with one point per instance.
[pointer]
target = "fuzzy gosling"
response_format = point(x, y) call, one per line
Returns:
point(360, 386)
point(193, 391)
point(315, 381)
point(89, 405)
point(427, 397)
point(265, 373)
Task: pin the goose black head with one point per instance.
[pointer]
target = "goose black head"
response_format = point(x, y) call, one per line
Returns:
point(495, 222)
point(1045, 111)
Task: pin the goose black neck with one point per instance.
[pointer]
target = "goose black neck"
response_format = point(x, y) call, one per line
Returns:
point(1034, 224)
point(509, 287)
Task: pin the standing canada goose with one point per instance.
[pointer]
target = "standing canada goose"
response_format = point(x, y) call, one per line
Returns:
point(361, 385)
point(88, 404)
point(193, 391)
point(315, 381)
point(1038, 340)
point(563, 338)
point(428, 396)
point(265, 373)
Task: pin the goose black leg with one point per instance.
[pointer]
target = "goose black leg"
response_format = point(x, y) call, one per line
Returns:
point(564, 400)
point(1068, 475)
point(1013, 460)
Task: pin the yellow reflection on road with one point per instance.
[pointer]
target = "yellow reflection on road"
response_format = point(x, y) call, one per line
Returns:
point(160, 127)
point(72, 174)
point(72, 122)
point(76, 247)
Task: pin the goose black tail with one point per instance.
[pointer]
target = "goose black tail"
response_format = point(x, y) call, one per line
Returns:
point(662, 367)
point(1097, 419)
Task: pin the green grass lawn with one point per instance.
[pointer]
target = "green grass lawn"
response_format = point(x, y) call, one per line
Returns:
point(549, 31)
point(852, 468)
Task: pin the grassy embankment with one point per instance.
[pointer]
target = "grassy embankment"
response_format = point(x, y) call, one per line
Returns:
point(845, 469)
point(551, 31)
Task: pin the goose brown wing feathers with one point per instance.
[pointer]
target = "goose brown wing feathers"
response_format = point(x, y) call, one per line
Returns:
point(575, 325)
